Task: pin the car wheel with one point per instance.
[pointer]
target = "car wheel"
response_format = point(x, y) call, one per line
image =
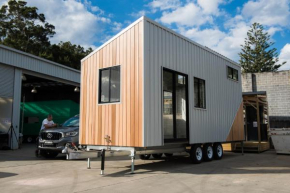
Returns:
point(196, 154)
point(145, 156)
point(218, 151)
point(48, 154)
point(157, 156)
point(208, 152)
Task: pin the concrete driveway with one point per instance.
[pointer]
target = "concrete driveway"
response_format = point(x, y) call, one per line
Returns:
point(20, 171)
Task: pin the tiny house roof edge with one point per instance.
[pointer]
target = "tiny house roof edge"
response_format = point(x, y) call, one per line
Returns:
point(167, 29)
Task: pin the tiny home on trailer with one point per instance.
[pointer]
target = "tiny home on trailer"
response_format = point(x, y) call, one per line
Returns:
point(150, 90)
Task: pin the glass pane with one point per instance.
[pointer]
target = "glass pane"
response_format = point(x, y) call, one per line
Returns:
point(105, 74)
point(196, 95)
point(115, 84)
point(181, 107)
point(230, 72)
point(202, 93)
point(167, 105)
point(181, 79)
point(235, 76)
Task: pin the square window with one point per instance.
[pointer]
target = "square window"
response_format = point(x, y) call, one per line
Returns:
point(233, 74)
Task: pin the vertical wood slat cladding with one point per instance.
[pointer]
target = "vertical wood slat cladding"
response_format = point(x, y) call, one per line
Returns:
point(123, 121)
point(237, 130)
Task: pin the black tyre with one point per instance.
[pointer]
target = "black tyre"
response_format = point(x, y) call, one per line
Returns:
point(196, 154)
point(145, 156)
point(168, 155)
point(208, 152)
point(157, 156)
point(29, 139)
point(48, 154)
point(218, 151)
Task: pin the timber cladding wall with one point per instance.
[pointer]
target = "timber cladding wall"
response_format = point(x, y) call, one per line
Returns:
point(123, 121)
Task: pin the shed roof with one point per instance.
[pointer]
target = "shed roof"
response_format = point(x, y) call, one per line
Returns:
point(15, 58)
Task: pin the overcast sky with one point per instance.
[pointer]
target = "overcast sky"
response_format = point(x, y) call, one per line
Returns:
point(219, 24)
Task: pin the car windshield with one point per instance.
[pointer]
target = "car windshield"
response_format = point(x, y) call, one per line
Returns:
point(72, 122)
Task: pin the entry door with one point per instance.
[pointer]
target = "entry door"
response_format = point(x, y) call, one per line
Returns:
point(175, 106)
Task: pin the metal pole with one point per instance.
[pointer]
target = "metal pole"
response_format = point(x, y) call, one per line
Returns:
point(89, 163)
point(103, 153)
point(132, 164)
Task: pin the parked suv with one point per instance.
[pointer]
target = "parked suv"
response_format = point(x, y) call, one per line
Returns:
point(52, 141)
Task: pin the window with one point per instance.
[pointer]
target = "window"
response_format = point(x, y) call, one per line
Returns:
point(199, 93)
point(109, 88)
point(233, 73)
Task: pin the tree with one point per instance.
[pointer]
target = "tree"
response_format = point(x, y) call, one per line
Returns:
point(257, 54)
point(66, 53)
point(23, 28)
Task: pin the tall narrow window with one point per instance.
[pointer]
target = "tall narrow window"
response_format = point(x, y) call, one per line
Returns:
point(233, 73)
point(109, 88)
point(199, 93)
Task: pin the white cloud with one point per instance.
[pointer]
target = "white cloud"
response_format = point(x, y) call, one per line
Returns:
point(2, 2)
point(188, 15)
point(73, 20)
point(191, 18)
point(273, 12)
point(230, 46)
point(208, 37)
point(117, 26)
point(164, 4)
point(210, 6)
point(285, 56)
point(139, 13)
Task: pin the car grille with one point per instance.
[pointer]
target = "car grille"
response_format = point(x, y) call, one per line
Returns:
point(51, 135)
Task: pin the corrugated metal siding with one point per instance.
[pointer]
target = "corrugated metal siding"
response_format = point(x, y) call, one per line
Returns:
point(16, 106)
point(223, 96)
point(6, 81)
point(29, 62)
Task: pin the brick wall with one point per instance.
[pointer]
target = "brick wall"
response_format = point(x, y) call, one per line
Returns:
point(277, 86)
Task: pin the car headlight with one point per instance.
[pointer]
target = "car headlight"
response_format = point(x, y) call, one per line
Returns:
point(71, 134)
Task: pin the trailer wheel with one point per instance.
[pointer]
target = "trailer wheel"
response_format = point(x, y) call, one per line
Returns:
point(218, 151)
point(208, 152)
point(196, 154)
point(145, 156)
point(168, 155)
point(157, 156)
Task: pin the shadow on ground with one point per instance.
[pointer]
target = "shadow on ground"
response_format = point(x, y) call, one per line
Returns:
point(6, 175)
point(232, 163)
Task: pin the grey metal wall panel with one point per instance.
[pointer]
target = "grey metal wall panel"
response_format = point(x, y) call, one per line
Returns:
point(16, 58)
point(16, 106)
point(164, 48)
point(6, 81)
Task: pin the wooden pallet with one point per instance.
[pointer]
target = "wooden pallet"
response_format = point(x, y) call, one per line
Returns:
point(249, 146)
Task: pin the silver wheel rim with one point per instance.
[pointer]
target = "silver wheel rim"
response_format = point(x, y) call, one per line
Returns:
point(29, 139)
point(198, 153)
point(219, 151)
point(209, 152)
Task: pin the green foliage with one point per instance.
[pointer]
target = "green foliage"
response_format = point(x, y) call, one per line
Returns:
point(257, 54)
point(22, 28)
point(66, 53)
